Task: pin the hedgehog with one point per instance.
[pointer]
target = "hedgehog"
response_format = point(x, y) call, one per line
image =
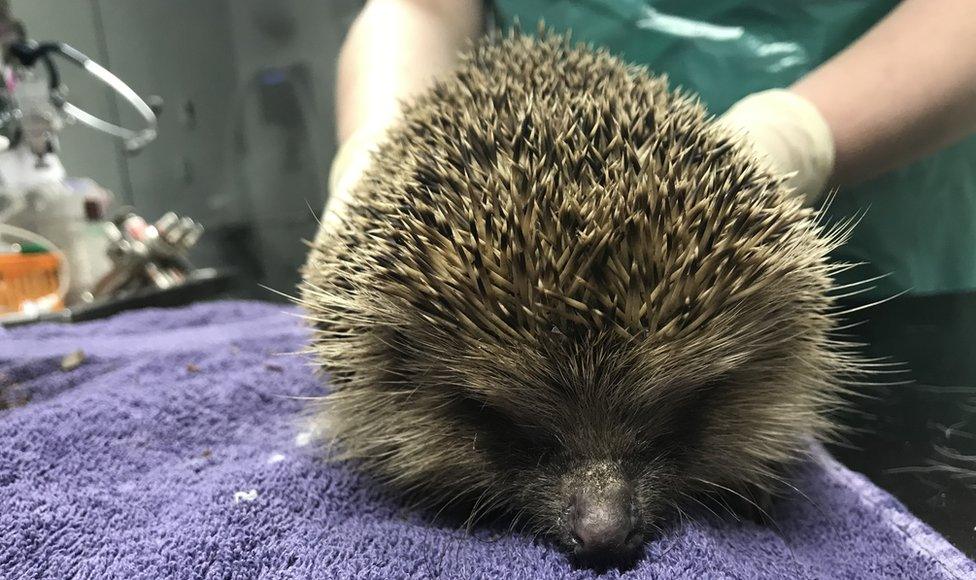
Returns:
point(563, 292)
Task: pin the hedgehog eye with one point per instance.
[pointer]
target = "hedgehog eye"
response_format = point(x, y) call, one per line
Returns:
point(682, 420)
point(478, 410)
point(515, 440)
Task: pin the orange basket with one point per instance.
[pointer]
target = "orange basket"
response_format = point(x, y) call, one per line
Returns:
point(27, 277)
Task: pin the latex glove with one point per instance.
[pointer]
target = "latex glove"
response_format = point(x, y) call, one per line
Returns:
point(790, 134)
point(348, 166)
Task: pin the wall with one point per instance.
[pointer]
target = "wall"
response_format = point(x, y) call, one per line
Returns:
point(285, 160)
point(182, 51)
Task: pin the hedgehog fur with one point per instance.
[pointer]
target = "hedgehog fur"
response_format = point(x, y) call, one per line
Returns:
point(562, 282)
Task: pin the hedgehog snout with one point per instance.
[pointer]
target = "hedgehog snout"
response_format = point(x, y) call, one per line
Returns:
point(602, 518)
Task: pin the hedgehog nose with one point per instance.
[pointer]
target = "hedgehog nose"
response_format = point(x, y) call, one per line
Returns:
point(603, 526)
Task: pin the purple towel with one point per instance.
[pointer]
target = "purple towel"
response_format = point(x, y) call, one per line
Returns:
point(175, 449)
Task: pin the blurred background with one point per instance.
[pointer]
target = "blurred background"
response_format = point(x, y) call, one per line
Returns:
point(245, 129)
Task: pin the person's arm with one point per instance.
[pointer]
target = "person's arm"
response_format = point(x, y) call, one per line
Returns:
point(905, 89)
point(393, 50)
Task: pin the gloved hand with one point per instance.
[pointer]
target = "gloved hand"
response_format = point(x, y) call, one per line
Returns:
point(348, 166)
point(790, 134)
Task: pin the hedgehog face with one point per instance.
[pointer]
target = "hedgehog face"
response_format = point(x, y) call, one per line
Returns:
point(593, 476)
point(593, 440)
